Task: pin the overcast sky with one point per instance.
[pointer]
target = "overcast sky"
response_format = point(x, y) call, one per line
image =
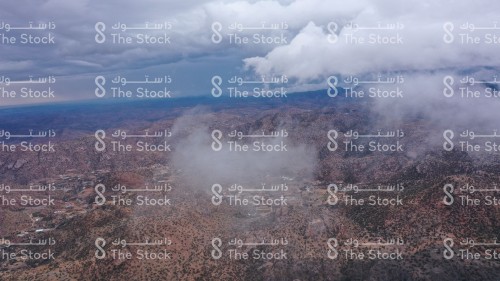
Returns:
point(314, 41)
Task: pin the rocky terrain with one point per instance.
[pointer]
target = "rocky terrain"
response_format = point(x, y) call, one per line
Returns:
point(319, 233)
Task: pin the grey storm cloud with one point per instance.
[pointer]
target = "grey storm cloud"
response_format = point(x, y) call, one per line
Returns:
point(76, 57)
point(307, 56)
point(76, 51)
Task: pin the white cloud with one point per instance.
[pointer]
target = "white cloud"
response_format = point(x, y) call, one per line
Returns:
point(418, 46)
